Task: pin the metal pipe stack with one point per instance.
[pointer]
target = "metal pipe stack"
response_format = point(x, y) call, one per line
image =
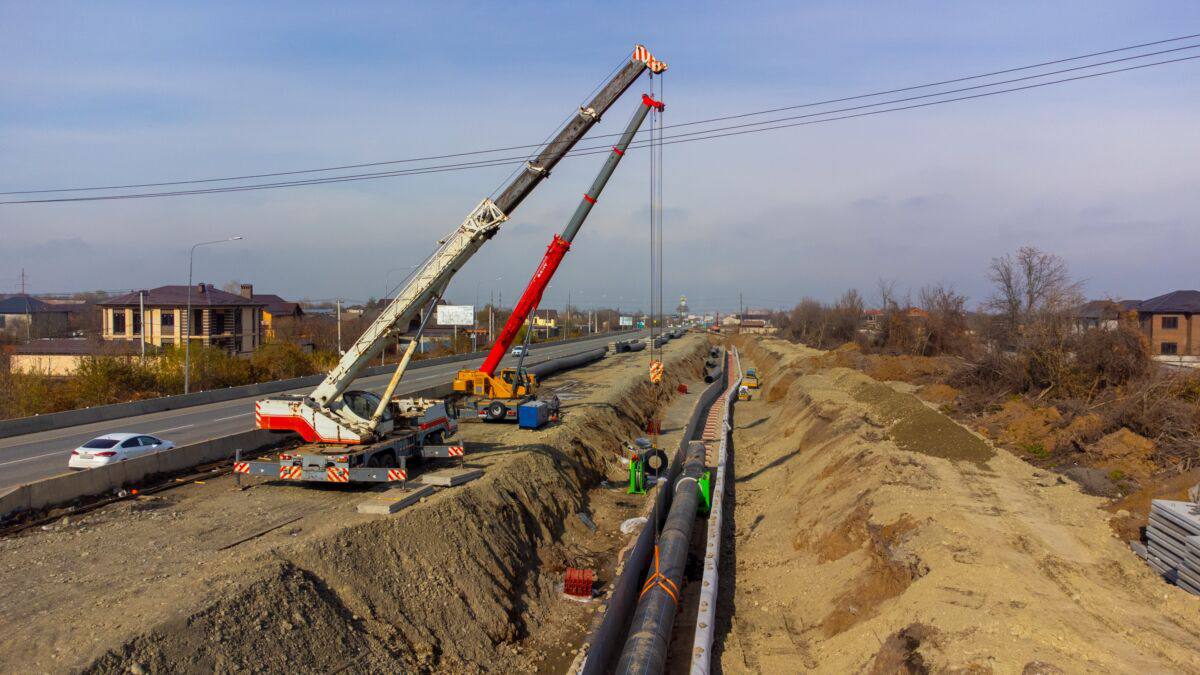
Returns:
point(1173, 542)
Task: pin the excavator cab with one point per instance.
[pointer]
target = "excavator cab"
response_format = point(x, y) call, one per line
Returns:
point(506, 384)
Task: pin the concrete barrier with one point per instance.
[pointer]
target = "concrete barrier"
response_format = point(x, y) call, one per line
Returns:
point(104, 413)
point(69, 487)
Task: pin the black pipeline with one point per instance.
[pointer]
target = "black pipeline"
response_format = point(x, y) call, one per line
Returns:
point(650, 634)
point(547, 368)
point(630, 346)
point(607, 639)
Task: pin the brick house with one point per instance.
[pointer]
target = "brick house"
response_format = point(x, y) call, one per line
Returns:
point(24, 316)
point(219, 319)
point(1106, 314)
point(274, 307)
point(1172, 323)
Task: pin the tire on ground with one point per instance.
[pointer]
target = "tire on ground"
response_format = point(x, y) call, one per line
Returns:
point(497, 411)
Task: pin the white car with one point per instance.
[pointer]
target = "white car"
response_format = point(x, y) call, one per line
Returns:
point(113, 448)
point(519, 350)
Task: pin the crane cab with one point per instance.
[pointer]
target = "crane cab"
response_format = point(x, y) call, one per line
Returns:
point(503, 385)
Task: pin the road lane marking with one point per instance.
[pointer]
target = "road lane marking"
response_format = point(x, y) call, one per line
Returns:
point(18, 461)
point(222, 419)
point(163, 431)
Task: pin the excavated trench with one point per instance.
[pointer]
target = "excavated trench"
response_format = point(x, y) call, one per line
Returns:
point(448, 585)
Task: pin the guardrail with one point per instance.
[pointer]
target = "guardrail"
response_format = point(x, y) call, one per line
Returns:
point(104, 413)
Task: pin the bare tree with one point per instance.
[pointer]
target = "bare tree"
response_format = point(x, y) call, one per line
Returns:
point(845, 317)
point(886, 288)
point(1031, 287)
point(945, 331)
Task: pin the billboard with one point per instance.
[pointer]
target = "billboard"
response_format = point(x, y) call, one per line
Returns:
point(456, 315)
point(627, 321)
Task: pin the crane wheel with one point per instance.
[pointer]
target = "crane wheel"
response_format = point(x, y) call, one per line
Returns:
point(497, 411)
point(373, 461)
point(387, 460)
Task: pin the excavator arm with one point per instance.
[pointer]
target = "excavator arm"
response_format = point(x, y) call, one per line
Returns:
point(323, 416)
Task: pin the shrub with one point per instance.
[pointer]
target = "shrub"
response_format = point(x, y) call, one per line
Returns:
point(281, 360)
point(1112, 357)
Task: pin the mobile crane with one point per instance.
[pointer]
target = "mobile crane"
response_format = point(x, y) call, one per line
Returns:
point(351, 435)
point(500, 395)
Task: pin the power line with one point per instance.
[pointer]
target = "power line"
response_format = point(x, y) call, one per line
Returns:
point(705, 134)
point(410, 160)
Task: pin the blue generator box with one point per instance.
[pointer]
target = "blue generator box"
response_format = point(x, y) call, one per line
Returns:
point(533, 415)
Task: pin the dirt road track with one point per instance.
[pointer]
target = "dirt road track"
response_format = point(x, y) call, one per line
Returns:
point(453, 584)
point(873, 534)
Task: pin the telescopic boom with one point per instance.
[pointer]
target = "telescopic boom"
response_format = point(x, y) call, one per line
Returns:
point(324, 416)
point(532, 297)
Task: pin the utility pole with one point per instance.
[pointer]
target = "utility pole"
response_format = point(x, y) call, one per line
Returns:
point(339, 326)
point(142, 320)
point(28, 310)
point(741, 312)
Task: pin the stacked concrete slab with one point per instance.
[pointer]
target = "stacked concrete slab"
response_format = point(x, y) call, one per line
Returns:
point(1173, 542)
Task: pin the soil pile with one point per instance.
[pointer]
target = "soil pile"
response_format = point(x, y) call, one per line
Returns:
point(874, 534)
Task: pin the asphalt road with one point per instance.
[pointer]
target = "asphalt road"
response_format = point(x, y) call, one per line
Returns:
point(41, 455)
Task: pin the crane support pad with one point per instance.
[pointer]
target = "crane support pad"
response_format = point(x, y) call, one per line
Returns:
point(394, 499)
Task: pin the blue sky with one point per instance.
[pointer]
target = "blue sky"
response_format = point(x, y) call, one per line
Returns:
point(1103, 172)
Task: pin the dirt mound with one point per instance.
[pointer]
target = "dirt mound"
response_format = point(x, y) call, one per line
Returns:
point(1124, 453)
point(914, 369)
point(872, 533)
point(449, 585)
point(938, 393)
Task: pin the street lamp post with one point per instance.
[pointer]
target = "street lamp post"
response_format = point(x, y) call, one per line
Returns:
point(187, 321)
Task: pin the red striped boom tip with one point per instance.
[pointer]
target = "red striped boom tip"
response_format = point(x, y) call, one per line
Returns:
point(640, 53)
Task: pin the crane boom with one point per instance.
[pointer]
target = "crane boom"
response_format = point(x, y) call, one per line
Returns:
point(324, 416)
point(532, 297)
